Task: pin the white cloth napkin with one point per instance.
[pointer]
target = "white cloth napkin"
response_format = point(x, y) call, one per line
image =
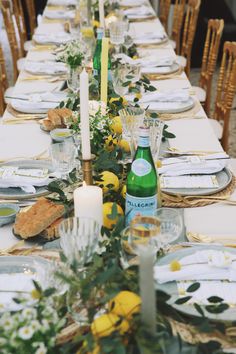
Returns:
point(62, 2)
point(13, 177)
point(48, 68)
point(151, 61)
point(201, 265)
point(141, 11)
point(37, 103)
point(196, 166)
point(131, 3)
point(168, 96)
point(52, 38)
point(59, 14)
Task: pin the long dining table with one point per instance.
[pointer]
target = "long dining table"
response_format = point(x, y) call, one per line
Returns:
point(25, 140)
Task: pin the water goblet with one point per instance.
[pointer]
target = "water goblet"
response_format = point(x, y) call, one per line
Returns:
point(171, 225)
point(134, 72)
point(73, 79)
point(156, 128)
point(131, 118)
point(119, 78)
point(78, 239)
point(117, 33)
point(63, 157)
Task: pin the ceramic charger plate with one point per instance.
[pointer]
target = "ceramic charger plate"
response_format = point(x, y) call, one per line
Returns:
point(171, 287)
point(161, 70)
point(223, 177)
point(169, 107)
point(18, 193)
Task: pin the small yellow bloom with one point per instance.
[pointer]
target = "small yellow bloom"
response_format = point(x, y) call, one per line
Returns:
point(138, 95)
point(158, 164)
point(175, 266)
point(35, 294)
point(135, 57)
point(96, 23)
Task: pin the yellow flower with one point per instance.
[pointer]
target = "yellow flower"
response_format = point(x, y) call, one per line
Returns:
point(175, 266)
point(158, 164)
point(35, 294)
point(96, 23)
point(138, 95)
point(126, 303)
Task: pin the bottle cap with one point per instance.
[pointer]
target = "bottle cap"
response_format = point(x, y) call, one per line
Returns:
point(100, 31)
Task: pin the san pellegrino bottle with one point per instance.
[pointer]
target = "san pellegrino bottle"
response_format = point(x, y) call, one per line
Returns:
point(142, 181)
point(97, 56)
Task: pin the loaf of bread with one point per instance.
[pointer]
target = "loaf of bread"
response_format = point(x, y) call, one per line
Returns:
point(56, 118)
point(38, 218)
point(51, 232)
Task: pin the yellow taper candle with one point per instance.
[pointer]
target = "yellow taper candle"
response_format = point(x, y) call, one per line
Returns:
point(104, 69)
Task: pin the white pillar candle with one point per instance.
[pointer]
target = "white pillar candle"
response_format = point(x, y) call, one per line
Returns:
point(84, 116)
point(88, 202)
point(147, 290)
point(101, 14)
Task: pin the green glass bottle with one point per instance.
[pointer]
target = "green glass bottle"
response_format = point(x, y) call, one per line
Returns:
point(97, 56)
point(142, 181)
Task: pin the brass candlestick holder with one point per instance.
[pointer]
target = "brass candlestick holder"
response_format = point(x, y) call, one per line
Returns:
point(87, 167)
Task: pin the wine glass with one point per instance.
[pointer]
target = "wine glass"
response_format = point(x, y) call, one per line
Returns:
point(171, 225)
point(79, 239)
point(144, 233)
point(73, 79)
point(117, 34)
point(63, 157)
point(155, 130)
point(119, 78)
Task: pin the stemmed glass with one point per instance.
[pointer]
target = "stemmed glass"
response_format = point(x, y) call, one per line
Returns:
point(119, 78)
point(73, 79)
point(117, 34)
point(156, 128)
point(131, 118)
point(63, 157)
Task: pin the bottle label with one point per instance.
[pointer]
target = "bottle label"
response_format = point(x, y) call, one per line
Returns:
point(141, 167)
point(143, 141)
point(139, 206)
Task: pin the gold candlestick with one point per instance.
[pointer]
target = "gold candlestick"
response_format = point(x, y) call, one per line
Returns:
point(87, 168)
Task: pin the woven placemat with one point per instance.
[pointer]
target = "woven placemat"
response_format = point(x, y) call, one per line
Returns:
point(190, 113)
point(178, 201)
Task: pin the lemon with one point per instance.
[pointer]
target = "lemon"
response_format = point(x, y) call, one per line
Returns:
point(175, 266)
point(106, 324)
point(124, 144)
point(113, 99)
point(125, 304)
point(123, 191)
point(96, 349)
point(116, 125)
point(108, 178)
point(110, 143)
point(107, 211)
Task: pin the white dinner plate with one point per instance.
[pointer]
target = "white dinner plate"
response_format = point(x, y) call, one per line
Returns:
point(169, 107)
point(161, 69)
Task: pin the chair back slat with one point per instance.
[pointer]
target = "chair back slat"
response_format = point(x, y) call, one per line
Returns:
point(226, 89)
point(178, 17)
point(8, 18)
point(31, 15)
point(3, 81)
point(20, 22)
point(164, 9)
point(210, 54)
point(190, 23)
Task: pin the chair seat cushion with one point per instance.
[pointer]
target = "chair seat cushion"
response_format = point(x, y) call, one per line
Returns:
point(182, 61)
point(200, 93)
point(217, 127)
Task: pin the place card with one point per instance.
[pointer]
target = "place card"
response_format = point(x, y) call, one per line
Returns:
point(186, 182)
point(9, 172)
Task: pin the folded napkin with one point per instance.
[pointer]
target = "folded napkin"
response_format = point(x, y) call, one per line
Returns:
point(52, 38)
point(168, 96)
point(138, 11)
point(191, 166)
point(48, 68)
point(59, 14)
point(151, 61)
point(131, 3)
point(25, 179)
point(62, 2)
point(37, 103)
point(201, 265)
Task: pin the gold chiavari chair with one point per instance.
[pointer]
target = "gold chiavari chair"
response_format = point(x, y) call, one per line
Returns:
point(3, 81)
point(11, 33)
point(164, 9)
point(20, 22)
point(190, 23)
point(178, 17)
point(31, 14)
point(226, 89)
point(211, 49)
